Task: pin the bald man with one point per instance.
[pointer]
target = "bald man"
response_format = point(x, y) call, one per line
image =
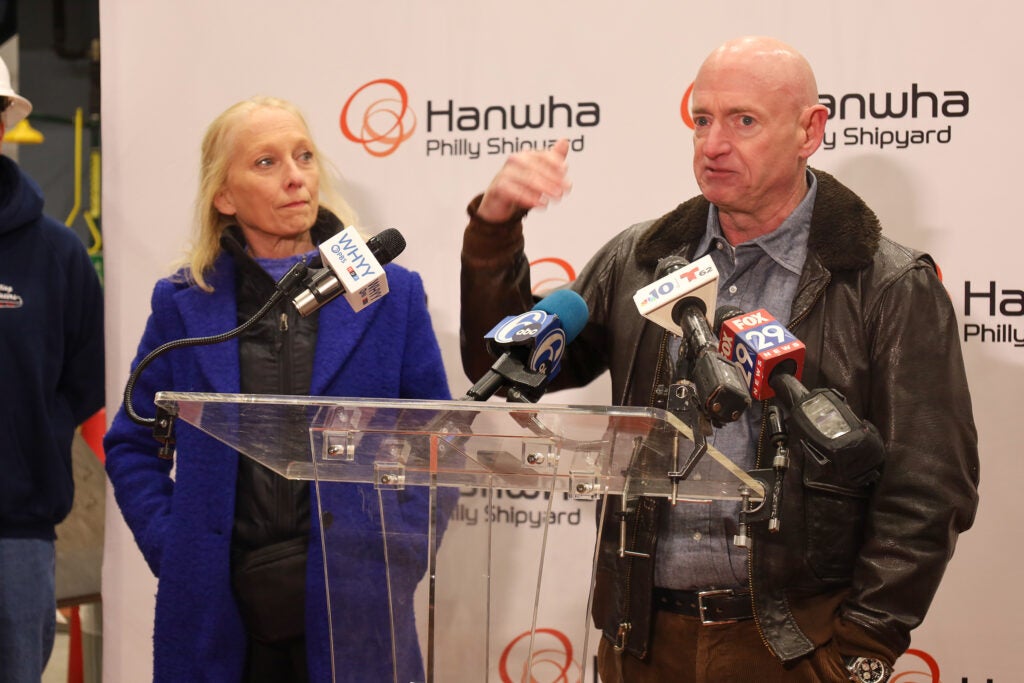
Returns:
point(831, 590)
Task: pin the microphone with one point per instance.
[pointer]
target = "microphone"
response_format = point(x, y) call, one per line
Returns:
point(679, 300)
point(679, 286)
point(844, 446)
point(724, 313)
point(529, 347)
point(760, 344)
point(354, 267)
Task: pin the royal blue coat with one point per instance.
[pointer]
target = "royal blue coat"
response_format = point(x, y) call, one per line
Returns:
point(182, 522)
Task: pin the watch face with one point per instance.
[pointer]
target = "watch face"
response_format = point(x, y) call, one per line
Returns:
point(867, 670)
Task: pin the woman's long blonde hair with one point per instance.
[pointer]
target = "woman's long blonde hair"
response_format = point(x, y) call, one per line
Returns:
point(218, 142)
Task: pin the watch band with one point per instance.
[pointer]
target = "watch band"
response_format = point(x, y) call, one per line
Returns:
point(867, 670)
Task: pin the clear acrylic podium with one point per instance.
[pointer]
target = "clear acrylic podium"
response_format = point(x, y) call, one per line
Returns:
point(451, 583)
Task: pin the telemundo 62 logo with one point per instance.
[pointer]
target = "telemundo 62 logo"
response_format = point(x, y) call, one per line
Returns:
point(378, 117)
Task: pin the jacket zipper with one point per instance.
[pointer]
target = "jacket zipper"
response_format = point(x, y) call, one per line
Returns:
point(285, 342)
point(757, 465)
point(625, 624)
point(657, 369)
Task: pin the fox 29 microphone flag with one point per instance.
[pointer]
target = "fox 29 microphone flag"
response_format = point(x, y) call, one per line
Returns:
point(760, 344)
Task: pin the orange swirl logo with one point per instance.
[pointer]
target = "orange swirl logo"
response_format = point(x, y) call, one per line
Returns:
point(549, 662)
point(549, 273)
point(377, 116)
point(929, 675)
point(684, 108)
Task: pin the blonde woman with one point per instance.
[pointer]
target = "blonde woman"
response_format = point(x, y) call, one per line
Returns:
point(235, 547)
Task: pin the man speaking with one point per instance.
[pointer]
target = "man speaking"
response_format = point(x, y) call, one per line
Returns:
point(832, 589)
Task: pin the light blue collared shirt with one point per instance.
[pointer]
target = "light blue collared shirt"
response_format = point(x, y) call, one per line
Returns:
point(695, 549)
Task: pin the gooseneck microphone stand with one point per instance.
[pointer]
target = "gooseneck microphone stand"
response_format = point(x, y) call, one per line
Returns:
point(163, 422)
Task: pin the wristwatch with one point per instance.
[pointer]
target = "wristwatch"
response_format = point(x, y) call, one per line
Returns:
point(867, 670)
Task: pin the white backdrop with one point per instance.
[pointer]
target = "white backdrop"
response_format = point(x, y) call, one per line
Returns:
point(616, 74)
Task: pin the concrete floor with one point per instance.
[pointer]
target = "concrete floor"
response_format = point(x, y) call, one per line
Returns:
point(90, 668)
point(57, 667)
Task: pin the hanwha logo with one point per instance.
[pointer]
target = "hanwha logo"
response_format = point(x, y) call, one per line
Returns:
point(684, 109)
point(377, 116)
point(929, 675)
point(550, 660)
point(550, 273)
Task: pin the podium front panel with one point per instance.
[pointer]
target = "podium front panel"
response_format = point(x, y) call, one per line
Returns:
point(429, 596)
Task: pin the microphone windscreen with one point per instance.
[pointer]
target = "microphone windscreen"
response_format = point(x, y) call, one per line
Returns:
point(570, 308)
point(386, 245)
point(669, 264)
point(725, 313)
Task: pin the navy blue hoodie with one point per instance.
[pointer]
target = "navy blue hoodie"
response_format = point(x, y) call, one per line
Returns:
point(51, 357)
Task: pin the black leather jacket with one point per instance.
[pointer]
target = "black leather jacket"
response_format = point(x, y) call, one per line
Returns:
point(860, 565)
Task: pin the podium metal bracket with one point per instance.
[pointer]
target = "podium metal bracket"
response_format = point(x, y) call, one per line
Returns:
point(539, 454)
point(389, 476)
point(339, 446)
point(584, 485)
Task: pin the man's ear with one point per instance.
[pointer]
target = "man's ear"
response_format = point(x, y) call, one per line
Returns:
point(812, 123)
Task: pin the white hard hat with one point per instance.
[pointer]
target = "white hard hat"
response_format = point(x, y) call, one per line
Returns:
point(20, 107)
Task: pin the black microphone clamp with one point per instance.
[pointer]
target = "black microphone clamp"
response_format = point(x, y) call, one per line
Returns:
point(721, 390)
point(523, 385)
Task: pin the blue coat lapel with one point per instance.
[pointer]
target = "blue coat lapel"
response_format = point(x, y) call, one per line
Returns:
point(209, 314)
point(205, 314)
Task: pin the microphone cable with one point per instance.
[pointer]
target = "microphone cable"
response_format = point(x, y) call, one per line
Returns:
point(163, 422)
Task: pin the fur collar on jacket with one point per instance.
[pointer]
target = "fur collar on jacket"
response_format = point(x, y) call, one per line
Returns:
point(844, 231)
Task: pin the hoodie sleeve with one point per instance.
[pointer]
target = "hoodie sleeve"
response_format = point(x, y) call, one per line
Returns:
point(82, 375)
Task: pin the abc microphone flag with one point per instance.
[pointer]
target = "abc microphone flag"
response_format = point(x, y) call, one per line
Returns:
point(529, 346)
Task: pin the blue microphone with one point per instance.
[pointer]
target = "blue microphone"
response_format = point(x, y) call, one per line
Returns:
point(529, 347)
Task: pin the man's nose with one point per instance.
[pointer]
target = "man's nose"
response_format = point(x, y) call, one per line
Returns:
point(716, 140)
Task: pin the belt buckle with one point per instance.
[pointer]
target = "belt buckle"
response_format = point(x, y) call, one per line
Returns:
point(702, 607)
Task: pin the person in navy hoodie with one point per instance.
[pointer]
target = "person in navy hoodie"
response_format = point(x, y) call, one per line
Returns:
point(236, 548)
point(51, 380)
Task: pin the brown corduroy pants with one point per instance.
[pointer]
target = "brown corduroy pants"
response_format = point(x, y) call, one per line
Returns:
point(685, 651)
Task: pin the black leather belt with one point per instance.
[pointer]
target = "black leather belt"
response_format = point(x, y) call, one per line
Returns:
point(711, 606)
